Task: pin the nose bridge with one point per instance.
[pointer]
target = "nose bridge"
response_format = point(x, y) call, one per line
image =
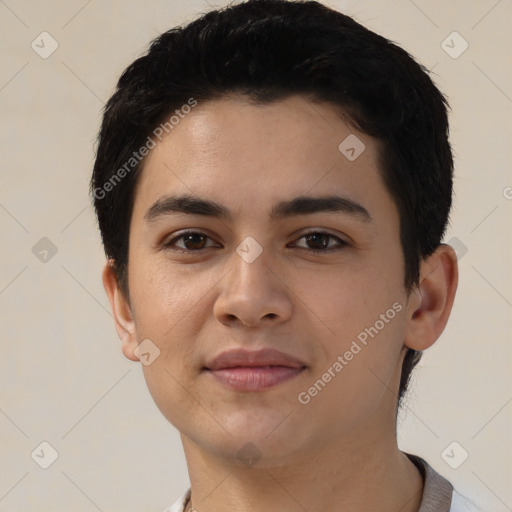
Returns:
point(250, 266)
point(251, 290)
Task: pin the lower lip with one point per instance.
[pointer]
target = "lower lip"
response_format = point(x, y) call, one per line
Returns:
point(255, 378)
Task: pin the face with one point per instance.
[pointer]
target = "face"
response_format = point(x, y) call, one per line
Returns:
point(320, 281)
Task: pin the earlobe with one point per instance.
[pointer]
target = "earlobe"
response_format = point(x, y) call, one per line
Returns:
point(431, 302)
point(123, 318)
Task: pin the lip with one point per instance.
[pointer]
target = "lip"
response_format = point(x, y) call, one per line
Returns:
point(263, 357)
point(245, 370)
point(255, 378)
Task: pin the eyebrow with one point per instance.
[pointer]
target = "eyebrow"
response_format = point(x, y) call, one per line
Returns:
point(302, 205)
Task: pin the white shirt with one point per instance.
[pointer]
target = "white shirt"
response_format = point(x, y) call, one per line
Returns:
point(462, 504)
point(438, 494)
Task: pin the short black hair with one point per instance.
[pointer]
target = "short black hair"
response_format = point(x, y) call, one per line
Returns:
point(267, 50)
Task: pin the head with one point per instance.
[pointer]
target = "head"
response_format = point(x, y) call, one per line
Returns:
point(248, 106)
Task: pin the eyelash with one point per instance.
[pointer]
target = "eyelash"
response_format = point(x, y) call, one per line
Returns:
point(169, 245)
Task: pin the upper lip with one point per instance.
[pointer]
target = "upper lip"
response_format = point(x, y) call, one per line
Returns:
point(263, 357)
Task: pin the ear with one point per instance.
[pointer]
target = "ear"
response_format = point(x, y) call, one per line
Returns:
point(123, 318)
point(430, 303)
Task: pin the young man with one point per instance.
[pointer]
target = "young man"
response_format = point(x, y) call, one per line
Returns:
point(272, 184)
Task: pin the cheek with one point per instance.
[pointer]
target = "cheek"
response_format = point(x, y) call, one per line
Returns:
point(172, 393)
point(167, 309)
point(345, 301)
point(362, 372)
point(362, 314)
point(161, 297)
point(166, 306)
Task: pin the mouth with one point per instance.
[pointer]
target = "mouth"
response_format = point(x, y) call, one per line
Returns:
point(244, 370)
point(255, 378)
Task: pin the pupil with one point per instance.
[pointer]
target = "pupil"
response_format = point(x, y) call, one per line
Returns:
point(193, 239)
point(318, 239)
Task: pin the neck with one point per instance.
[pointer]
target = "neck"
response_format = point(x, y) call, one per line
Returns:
point(361, 472)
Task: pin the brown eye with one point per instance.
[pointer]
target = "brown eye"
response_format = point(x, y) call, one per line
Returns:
point(319, 241)
point(191, 241)
point(194, 241)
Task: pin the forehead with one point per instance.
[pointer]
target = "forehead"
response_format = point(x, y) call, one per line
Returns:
point(234, 151)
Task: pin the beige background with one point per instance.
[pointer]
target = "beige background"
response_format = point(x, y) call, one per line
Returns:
point(63, 378)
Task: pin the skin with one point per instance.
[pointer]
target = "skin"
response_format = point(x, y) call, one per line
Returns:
point(339, 451)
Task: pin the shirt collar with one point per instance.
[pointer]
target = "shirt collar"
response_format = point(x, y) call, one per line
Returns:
point(437, 491)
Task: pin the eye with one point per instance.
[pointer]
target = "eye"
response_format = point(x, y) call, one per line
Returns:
point(320, 241)
point(193, 241)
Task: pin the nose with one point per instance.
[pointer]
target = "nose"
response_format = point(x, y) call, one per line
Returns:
point(253, 294)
